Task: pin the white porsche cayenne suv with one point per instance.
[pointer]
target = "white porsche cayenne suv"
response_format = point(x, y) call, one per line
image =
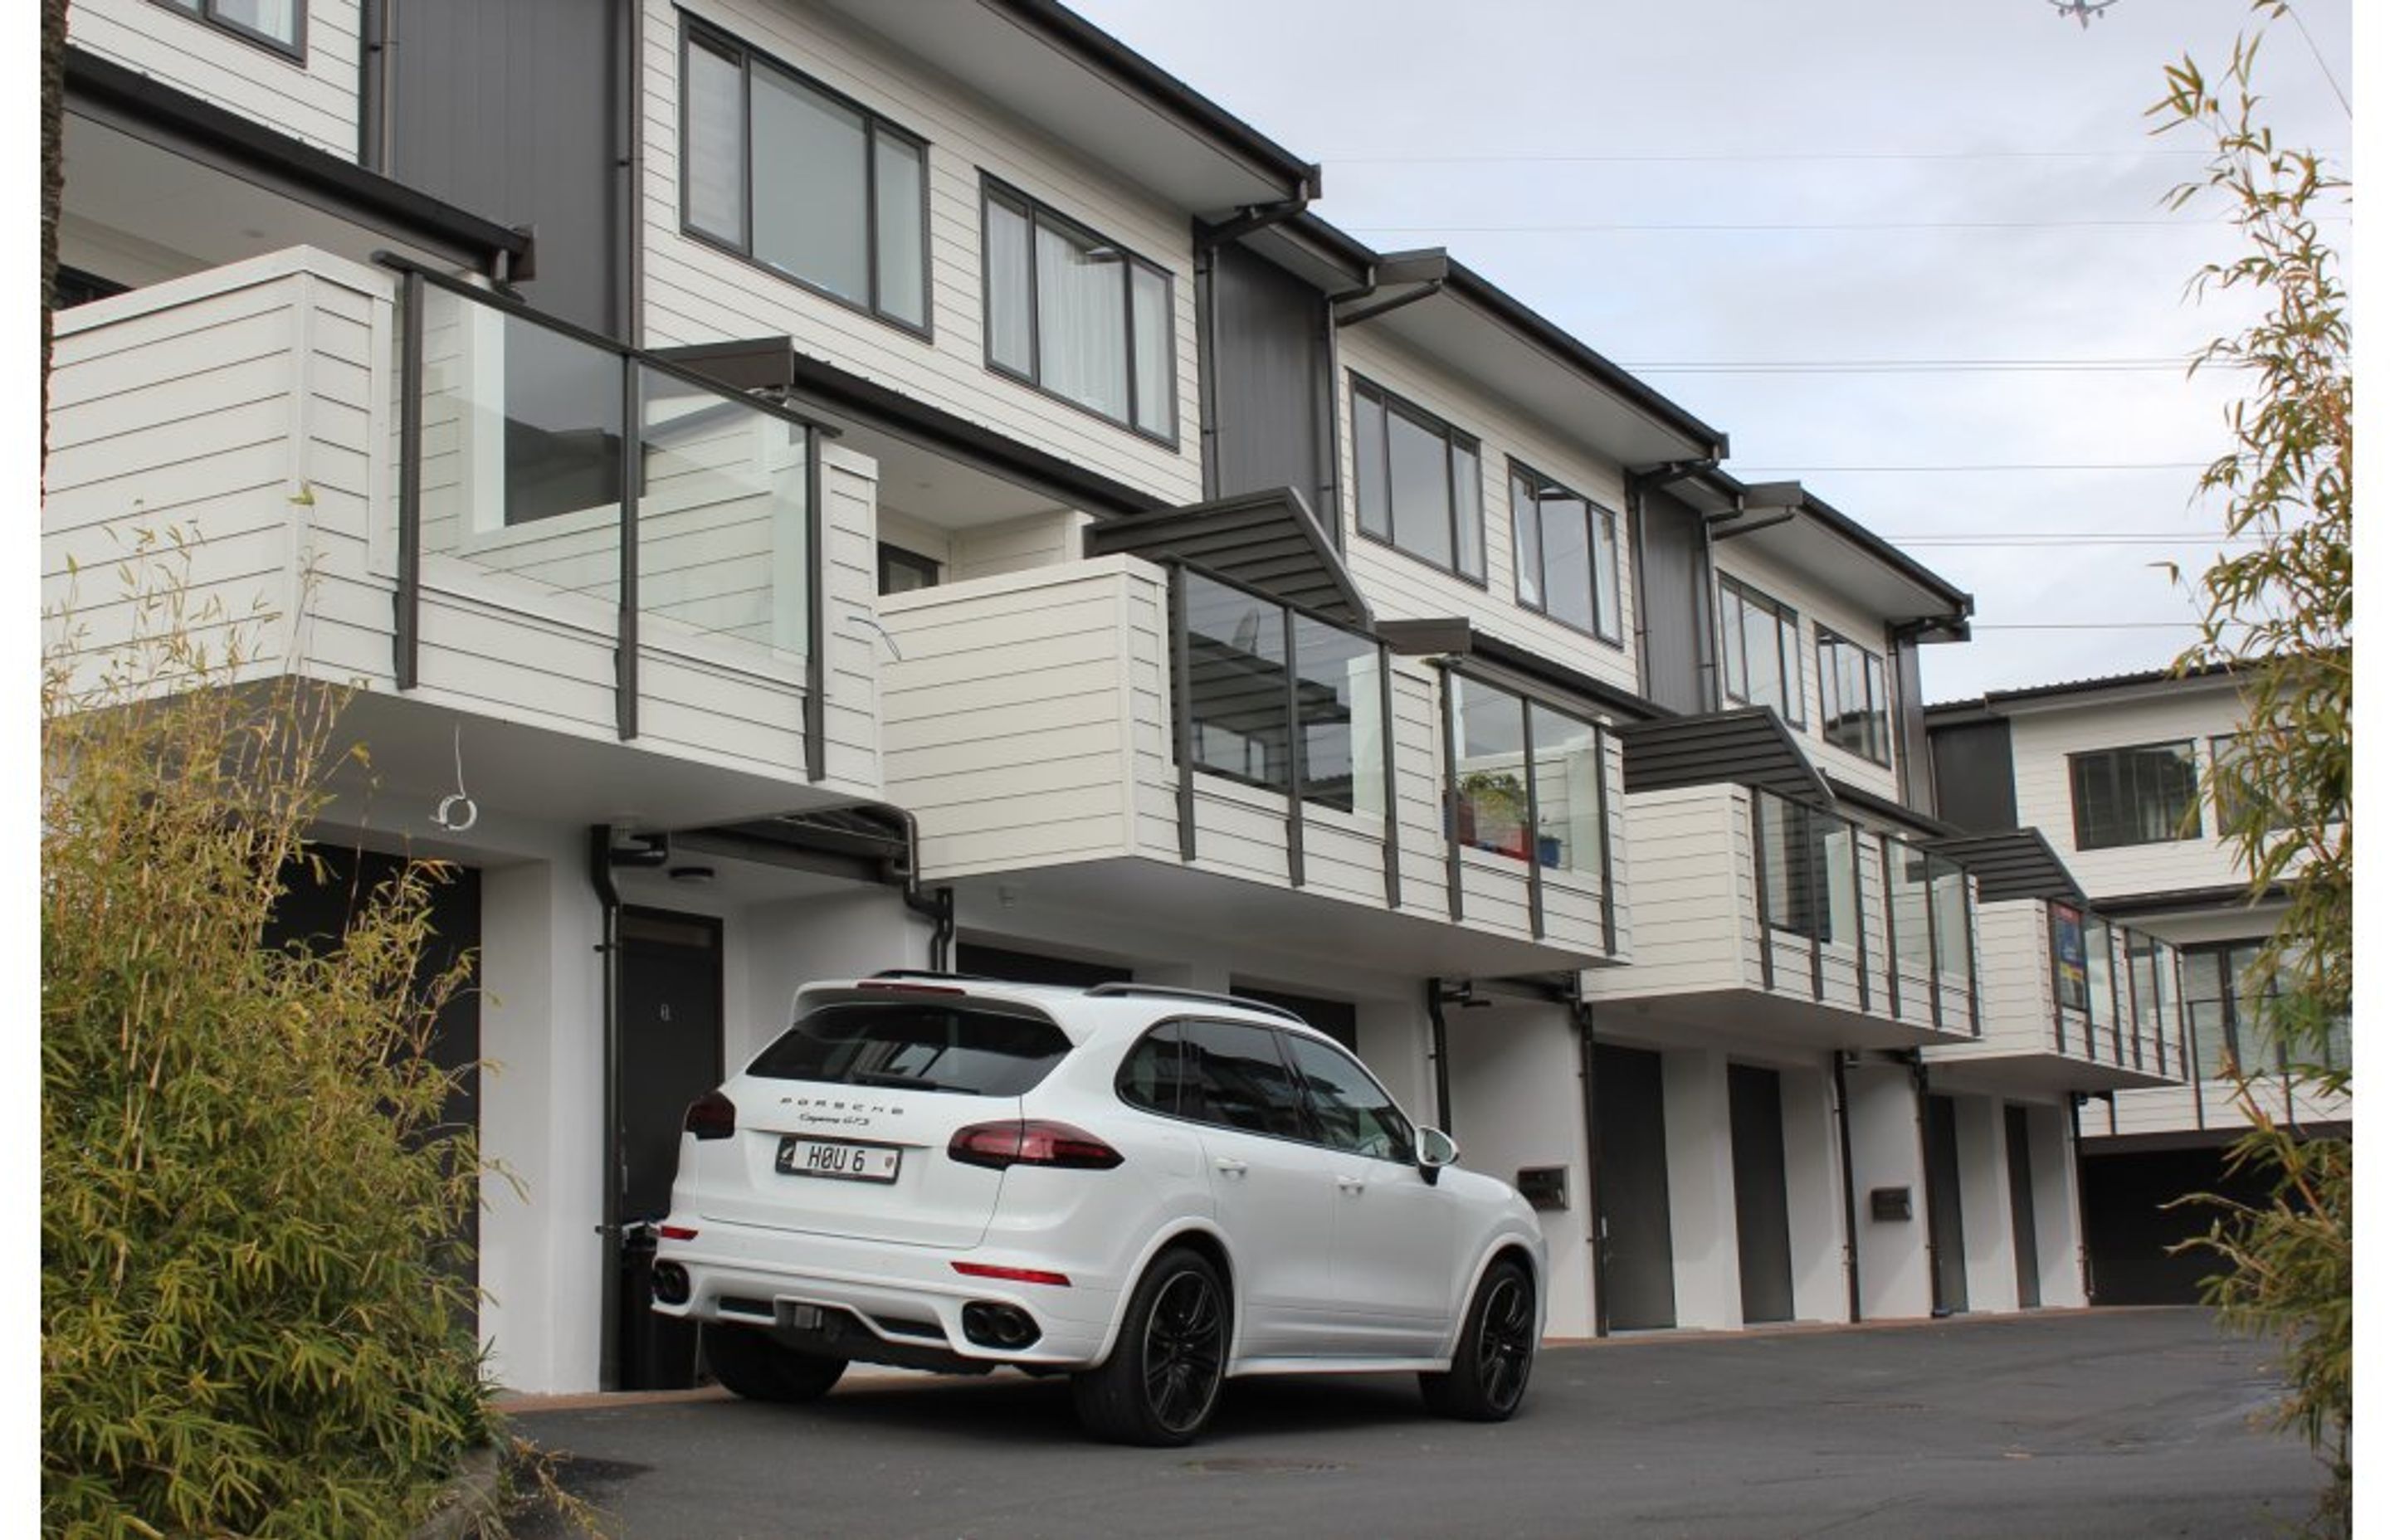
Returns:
point(1148, 1189)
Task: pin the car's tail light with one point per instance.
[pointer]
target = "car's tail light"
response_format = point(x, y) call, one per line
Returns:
point(711, 1116)
point(1031, 1143)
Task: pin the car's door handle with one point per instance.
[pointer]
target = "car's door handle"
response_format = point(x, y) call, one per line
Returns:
point(1349, 1184)
point(1228, 1167)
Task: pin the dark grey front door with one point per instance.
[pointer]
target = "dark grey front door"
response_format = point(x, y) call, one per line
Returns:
point(670, 1021)
point(1947, 1228)
point(1763, 1230)
point(2021, 1218)
point(1638, 1252)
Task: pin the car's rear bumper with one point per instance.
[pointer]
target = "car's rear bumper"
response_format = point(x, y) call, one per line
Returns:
point(749, 1275)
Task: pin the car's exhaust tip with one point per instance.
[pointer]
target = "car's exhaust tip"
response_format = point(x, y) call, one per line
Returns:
point(999, 1326)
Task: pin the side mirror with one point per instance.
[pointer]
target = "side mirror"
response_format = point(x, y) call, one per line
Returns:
point(1436, 1151)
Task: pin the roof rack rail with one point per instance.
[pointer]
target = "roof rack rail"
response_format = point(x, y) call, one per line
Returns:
point(1207, 996)
point(934, 974)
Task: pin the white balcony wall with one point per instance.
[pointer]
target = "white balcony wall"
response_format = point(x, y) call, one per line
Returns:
point(313, 99)
point(1686, 856)
point(1401, 586)
point(255, 407)
point(697, 292)
point(1029, 723)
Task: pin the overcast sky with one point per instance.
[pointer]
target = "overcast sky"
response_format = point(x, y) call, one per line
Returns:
point(1710, 181)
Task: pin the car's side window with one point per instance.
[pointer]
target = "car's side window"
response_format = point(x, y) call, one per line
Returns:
point(1235, 1078)
point(1352, 1110)
point(1153, 1071)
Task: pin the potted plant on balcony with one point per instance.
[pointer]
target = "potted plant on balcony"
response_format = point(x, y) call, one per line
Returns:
point(1493, 812)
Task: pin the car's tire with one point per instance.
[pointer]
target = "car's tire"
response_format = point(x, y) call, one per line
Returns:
point(1162, 1379)
point(1497, 1351)
point(750, 1364)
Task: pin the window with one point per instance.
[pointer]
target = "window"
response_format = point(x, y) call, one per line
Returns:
point(2140, 796)
point(280, 25)
point(1263, 679)
point(1352, 1110)
point(1853, 709)
point(797, 178)
point(1415, 479)
point(1078, 317)
point(1759, 649)
point(1235, 1078)
point(971, 1050)
point(1812, 877)
point(2227, 775)
point(1506, 799)
point(903, 571)
point(1566, 551)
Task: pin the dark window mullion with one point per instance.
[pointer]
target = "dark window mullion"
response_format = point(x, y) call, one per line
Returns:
point(871, 216)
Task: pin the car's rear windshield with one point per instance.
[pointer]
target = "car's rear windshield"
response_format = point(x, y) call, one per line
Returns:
point(968, 1050)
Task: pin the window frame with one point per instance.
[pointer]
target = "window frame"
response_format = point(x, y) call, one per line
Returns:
point(1454, 436)
point(1315, 1136)
point(1873, 671)
point(729, 48)
point(891, 558)
point(1036, 212)
point(1788, 658)
point(2187, 829)
point(205, 13)
point(1608, 623)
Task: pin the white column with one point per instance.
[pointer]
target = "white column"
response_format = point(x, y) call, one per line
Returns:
point(1517, 1101)
point(1813, 1197)
point(2057, 1217)
point(542, 1106)
point(1393, 1039)
point(1701, 1190)
point(1895, 1280)
point(1983, 1204)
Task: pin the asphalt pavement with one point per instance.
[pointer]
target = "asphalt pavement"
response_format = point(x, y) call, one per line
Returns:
point(2107, 1423)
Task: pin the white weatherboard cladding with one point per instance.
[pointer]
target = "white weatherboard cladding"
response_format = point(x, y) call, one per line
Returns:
point(1817, 606)
point(314, 100)
point(1028, 724)
point(255, 407)
point(2042, 736)
point(697, 293)
point(1686, 855)
point(1400, 586)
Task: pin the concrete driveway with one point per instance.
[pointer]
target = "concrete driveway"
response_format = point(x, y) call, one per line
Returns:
point(2108, 1423)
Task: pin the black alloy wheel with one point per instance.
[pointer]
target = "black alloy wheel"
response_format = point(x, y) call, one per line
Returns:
point(1496, 1351)
point(1162, 1379)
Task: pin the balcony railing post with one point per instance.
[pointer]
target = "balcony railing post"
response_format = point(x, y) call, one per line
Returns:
point(816, 612)
point(405, 650)
point(1393, 839)
point(1451, 793)
point(626, 625)
point(1296, 766)
point(1529, 838)
point(1601, 841)
point(1759, 891)
point(1813, 868)
point(1891, 927)
point(1859, 913)
point(1183, 717)
point(1974, 985)
point(2132, 1003)
point(1933, 946)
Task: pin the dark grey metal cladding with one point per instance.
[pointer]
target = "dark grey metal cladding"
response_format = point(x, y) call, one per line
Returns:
point(2015, 863)
point(1266, 540)
point(1672, 577)
point(1975, 774)
point(511, 110)
point(1915, 752)
point(1271, 397)
point(1749, 747)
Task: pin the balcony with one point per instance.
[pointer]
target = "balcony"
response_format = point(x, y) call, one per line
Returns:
point(1117, 737)
point(1769, 921)
point(402, 483)
point(2071, 1001)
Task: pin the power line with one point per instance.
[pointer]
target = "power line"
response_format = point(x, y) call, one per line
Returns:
point(1919, 470)
point(2033, 542)
point(2083, 625)
point(1695, 157)
point(1634, 227)
point(1926, 365)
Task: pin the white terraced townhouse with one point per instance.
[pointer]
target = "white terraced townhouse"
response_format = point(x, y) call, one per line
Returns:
point(2116, 770)
point(807, 488)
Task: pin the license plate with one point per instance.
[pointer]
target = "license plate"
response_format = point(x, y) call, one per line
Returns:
point(850, 1162)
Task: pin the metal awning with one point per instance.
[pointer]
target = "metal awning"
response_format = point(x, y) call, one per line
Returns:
point(1270, 541)
point(2018, 863)
point(1751, 747)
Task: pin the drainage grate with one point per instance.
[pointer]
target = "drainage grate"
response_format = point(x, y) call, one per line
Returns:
point(1260, 1465)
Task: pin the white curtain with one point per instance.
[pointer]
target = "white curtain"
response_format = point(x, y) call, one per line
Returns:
point(1083, 322)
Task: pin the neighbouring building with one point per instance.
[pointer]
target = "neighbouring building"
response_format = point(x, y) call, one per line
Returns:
point(806, 487)
point(2118, 771)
